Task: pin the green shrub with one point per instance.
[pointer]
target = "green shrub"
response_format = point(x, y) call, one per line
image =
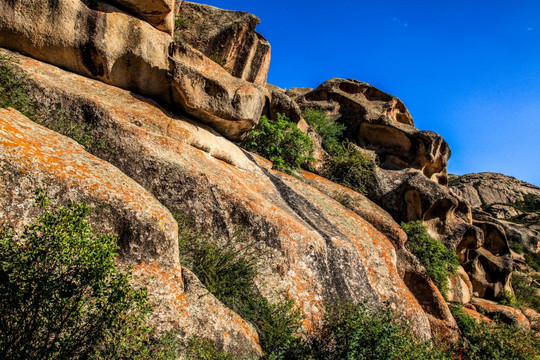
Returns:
point(228, 269)
point(281, 142)
point(330, 131)
point(438, 260)
point(62, 295)
point(181, 23)
point(533, 260)
point(359, 332)
point(483, 341)
point(525, 292)
point(350, 167)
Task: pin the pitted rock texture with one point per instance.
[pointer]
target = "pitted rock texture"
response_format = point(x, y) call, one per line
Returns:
point(379, 121)
point(33, 157)
point(206, 91)
point(228, 37)
point(511, 204)
point(318, 250)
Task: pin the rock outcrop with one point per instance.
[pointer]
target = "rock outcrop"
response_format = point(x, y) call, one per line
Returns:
point(99, 41)
point(320, 250)
point(228, 37)
point(379, 121)
point(33, 157)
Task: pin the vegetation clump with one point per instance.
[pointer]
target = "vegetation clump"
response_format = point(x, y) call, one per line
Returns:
point(496, 341)
point(438, 260)
point(281, 142)
point(330, 131)
point(228, 269)
point(62, 296)
point(350, 167)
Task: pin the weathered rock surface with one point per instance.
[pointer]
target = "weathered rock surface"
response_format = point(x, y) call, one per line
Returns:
point(99, 41)
point(159, 13)
point(33, 157)
point(319, 251)
point(534, 318)
point(460, 288)
point(381, 122)
point(206, 91)
point(228, 37)
point(510, 204)
point(95, 40)
point(504, 313)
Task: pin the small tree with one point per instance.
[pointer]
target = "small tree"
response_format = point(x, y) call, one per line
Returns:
point(62, 295)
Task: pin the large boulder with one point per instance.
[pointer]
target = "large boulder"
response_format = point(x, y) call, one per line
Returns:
point(318, 250)
point(33, 157)
point(379, 121)
point(228, 37)
point(503, 313)
point(158, 13)
point(97, 40)
point(206, 91)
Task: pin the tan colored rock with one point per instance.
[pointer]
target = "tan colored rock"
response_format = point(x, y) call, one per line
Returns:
point(33, 157)
point(380, 122)
point(206, 91)
point(534, 318)
point(460, 288)
point(505, 313)
point(477, 316)
point(228, 37)
point(318, 250)
point(100, 42)
point(158, 13)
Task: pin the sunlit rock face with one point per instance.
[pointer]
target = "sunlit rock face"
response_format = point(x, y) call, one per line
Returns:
point(228, 37)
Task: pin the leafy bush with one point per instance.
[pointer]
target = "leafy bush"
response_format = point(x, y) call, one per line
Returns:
point(350, 167)
point(360, 332)
point(62, 295)
point(525, 292)
point(281, 142)
point(330, 131)
point(228, 270)
point(482, 341)
point(203, 349)
point(439, 261)
point(533, 260)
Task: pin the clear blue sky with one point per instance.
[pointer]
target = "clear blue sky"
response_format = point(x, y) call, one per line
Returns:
point(467, 69)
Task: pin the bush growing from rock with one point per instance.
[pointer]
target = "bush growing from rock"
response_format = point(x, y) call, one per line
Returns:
point(281, 142)
point(330, 131)
point(438, 260)
point(350, 167)
point(62, 296)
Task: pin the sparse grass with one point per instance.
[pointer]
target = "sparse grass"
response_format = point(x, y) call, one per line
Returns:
point(228, 270)
point(13, 88)
point(181, 23)
point(438, 260)
point(350, 167)
point(525, 292)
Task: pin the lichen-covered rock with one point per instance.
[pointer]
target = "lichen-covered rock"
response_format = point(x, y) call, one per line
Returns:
point(33, 157)
point(205, 90)
point(317, 249)
point(381, 122)
point(228, 37)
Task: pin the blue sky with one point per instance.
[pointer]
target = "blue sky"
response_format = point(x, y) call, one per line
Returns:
point(469, 70)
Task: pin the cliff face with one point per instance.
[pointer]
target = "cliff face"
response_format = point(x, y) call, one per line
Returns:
point(157, 116)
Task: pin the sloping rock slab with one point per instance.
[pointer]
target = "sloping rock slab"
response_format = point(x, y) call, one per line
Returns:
point(504, 313)
point(32, 157)
point(228, 37)
point(317, 251)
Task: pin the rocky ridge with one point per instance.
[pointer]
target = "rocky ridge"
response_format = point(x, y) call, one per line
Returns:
point(159, 114)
